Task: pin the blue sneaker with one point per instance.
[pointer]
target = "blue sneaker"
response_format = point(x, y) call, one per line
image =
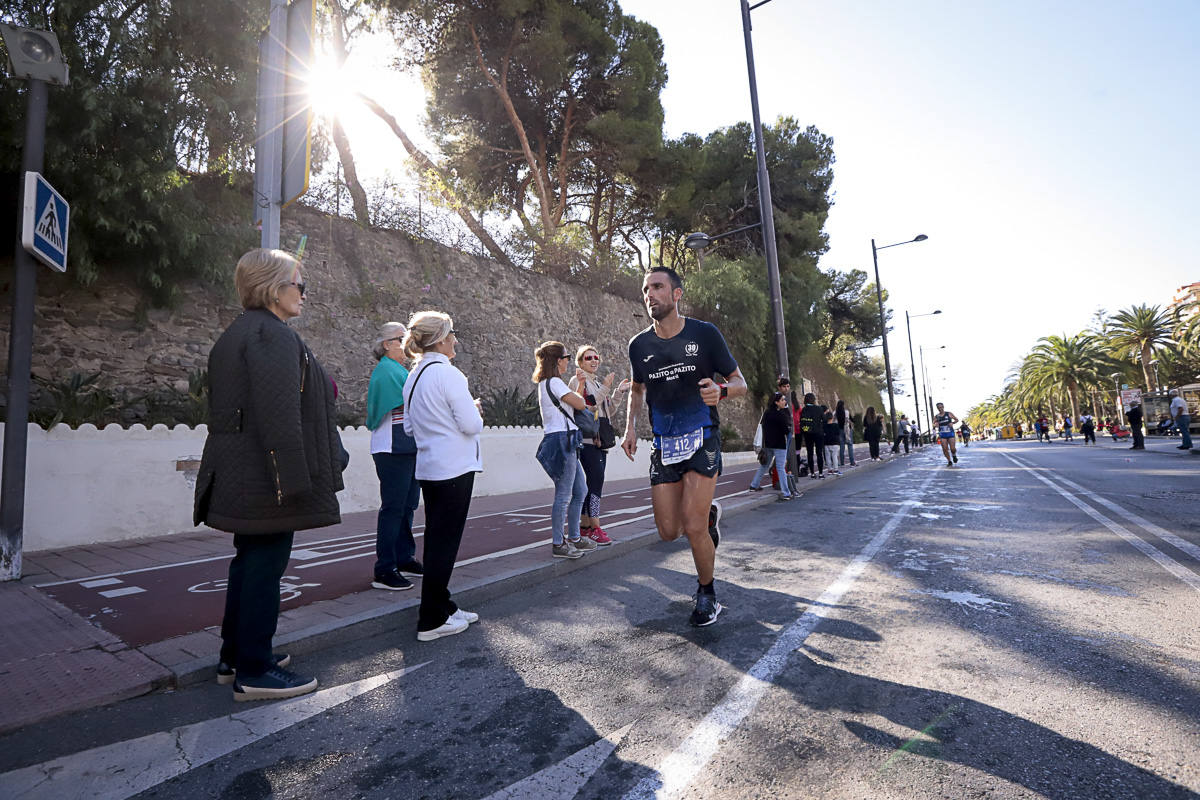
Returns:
point(706, 611)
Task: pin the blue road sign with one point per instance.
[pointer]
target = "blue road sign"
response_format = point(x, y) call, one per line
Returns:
point(44, 222)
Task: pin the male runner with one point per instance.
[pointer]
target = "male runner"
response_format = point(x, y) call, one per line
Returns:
point(673, 363)
point(945, 425)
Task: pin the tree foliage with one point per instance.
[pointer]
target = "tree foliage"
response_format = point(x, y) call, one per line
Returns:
point(160, 91)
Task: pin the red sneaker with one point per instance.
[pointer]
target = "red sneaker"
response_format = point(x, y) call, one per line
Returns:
point(598, 536)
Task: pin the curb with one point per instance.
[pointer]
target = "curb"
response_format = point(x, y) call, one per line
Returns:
point(403, 615)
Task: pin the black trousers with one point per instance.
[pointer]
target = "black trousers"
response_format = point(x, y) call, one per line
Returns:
point(1139, 439)
point(594, 461)
point(904, 437)
point(816, 441)
point(446, 506)
point(252, 600)
point(874, 445)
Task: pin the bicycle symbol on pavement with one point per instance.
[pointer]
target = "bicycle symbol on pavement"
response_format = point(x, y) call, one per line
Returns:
point(287, 590)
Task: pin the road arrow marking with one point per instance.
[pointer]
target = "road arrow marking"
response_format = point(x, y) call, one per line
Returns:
point(123, 769)
point(563, 780)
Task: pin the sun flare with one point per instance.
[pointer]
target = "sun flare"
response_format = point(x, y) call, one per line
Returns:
point(330, 89)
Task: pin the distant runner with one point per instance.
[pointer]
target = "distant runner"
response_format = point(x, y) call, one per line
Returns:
point(965, 430)
point(945, 426)
point(673, 363)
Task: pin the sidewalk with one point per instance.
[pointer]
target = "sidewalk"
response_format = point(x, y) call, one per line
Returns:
point(55, 660)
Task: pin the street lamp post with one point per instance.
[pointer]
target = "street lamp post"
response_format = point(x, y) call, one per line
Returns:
point(766, 217)
point(1154, 363)
point(887, 359)
point(925, 376)
point(913, 363)
point(1116, 376)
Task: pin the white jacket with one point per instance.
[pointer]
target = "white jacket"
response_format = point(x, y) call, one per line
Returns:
point(443, 419)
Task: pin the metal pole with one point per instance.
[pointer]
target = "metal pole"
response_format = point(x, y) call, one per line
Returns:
point(20, 354)
point(767, 214)
point(887, 359)
point(272, 108)
point(925, 375)
point(913, 362)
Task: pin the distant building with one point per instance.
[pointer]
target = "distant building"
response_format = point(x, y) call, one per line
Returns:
point(1185, 295)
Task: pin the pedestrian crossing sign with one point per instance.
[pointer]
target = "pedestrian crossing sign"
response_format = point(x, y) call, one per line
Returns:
point(44, 222)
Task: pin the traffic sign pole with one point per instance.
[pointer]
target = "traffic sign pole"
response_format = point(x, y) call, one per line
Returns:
point(20, 356)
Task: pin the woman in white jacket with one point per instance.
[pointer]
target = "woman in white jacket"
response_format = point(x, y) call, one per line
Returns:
point(445, 422)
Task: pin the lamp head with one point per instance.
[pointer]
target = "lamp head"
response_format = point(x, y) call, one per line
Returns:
point(920, 237)
point(697, 241)
point(938, 311)
point(34, 54)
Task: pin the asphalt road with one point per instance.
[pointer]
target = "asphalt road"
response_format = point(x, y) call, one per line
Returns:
point(1022, 625)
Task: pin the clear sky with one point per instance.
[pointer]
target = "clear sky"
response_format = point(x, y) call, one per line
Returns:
point(1048, 149)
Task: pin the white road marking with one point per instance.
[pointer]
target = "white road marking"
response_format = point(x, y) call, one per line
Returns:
point(684, 764)
point(563, 780)
point(123, 769)
point(1168, 537)
point(124, 590)
point(99, 583)
point(1150, 551)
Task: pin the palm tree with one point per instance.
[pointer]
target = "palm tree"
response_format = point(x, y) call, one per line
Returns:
point(1065, 365)
point(1139, 331)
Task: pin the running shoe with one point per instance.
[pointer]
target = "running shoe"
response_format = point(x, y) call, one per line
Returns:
point(956, 458)
point(706, 611)
point(392, 581)
point(714, 523)
point(597, 536)
point(582, 544)
point(565, 550)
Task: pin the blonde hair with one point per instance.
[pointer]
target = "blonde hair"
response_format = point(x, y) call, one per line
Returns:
point(426, 329)
point(546, 360)
point(582, 351)
point(387, 332)
point(260, 274)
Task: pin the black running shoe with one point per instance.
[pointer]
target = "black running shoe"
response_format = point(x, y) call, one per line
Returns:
point(955, 458)
point(392, 581)
point(714, 523)
point(706, 611)
point(413, 567)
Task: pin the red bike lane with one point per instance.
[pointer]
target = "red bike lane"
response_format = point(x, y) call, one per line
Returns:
point(152, 604)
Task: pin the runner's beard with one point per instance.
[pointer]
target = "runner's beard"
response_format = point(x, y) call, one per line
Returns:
point(659, 313)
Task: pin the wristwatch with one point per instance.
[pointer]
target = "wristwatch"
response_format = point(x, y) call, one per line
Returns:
point(724, 390)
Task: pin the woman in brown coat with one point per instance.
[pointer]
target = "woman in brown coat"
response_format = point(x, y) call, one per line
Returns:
point(272, 465)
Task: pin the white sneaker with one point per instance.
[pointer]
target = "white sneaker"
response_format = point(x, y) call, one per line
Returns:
point(452, 626)
point(468, 616)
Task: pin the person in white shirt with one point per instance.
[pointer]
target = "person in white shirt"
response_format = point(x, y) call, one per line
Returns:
point(1183, 420)
point(445, 422)
point(558, 452)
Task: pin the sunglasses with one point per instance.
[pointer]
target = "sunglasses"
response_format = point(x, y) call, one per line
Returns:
point(591, 358)
point(299, 286)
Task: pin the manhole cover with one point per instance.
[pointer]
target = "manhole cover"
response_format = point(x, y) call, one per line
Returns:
point(1187, 497)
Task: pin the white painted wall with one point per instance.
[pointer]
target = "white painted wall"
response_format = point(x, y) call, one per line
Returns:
point(86, 486)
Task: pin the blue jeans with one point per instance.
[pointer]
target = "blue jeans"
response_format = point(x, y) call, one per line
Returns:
point(569, 490)
point(399, 494)
point(779, 459)
point(1184, 423)
point(846, 445)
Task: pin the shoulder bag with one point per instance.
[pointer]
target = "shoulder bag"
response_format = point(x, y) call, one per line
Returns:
point(583, 419)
